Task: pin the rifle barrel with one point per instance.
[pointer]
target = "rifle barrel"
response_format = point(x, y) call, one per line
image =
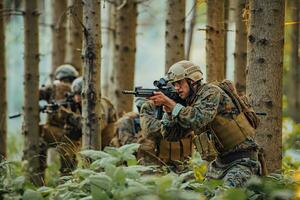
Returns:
point(261, 113)
point(14, 116)
point(128, 92)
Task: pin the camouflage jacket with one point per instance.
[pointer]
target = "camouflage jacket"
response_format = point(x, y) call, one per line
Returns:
point(149, 124)
point(108, 118)
point(56, 91)
point(127, 129)
point(207, 102)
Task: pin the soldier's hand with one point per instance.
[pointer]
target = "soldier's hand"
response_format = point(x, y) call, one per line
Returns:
point(167, 109)
point(64, 113)
point(160, 99)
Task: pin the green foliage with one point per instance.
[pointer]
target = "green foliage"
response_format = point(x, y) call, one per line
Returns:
point(14, 146)
point(12, 180)
point(112, 174)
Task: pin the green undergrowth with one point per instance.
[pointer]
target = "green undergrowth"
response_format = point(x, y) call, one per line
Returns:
point(115, 174)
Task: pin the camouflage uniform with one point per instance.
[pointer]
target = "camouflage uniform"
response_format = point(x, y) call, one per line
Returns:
point(107, 111)
point(127, 130)
point(234, 165)
point(156, 150)
point(53, 133)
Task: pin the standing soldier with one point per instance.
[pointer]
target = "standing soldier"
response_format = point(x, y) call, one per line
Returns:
point(216, 121)
point(52, 131)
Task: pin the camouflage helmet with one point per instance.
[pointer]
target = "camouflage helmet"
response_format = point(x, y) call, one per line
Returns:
point(65, 71)
point(184, 69)
point(77, 85)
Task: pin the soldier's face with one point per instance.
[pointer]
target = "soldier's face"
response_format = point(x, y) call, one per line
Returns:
point(77, 98)
point(182, 88)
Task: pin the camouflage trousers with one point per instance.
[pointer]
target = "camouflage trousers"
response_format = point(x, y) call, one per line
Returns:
point(234, 174)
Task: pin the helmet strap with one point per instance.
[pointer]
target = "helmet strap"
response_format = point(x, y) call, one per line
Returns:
point(191, 86)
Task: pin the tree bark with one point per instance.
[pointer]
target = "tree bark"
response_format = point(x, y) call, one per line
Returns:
point(30, 127)
point(3, 102)
point(124, 55)
point(226, 27)
point(215, 35)
point(175, 32)
point(91, 95)
point(240, 51)
point(74, 35)
point(293, 95)
point(109, 53)
point(191, 30)
point(59, 9)
point(264, 74)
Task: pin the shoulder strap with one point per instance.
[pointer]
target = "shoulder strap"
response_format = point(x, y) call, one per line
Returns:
point(225, 86)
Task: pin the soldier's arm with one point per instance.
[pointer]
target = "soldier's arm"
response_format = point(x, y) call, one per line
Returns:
point(45, 93)
point(197, 116)
point(75, 120)
point(172, 130)
point(149, 124)
point(72, 119)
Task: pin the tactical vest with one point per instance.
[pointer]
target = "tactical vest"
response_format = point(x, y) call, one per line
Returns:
point(177, 150)
point(223, 133)
point(231, 132)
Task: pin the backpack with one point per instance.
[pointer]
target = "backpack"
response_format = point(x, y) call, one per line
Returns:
point(241, 102)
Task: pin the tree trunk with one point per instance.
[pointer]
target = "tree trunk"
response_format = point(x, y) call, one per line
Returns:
point(226, 27)
point(109, 52)
point(191, 30)
point(59, 9)
point(240, 51)
point(3, 103)
point(30, 127)
point(74, 35)
point(264, 74)
point(124, 59)
point(175, 31)
point(215, 41)
point(293, 96)
point(91, 138)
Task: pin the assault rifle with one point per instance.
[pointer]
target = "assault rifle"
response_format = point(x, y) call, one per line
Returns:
point(54, 105)
point(160, 85)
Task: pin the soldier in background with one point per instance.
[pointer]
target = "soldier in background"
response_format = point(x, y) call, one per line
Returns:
point(52, 132)
point(127, 129)
point(74, 119)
